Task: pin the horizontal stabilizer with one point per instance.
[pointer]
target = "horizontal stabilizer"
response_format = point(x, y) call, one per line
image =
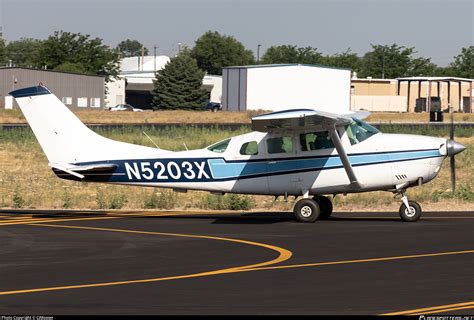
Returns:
point(78, 170)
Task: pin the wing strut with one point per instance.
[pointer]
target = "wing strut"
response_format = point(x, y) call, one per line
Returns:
point(344, 158)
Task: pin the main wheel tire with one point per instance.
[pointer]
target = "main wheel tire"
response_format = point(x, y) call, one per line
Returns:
point(412, 214)
point(325, 206)
point(307, 210)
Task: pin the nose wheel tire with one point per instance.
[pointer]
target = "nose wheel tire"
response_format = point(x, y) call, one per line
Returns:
point(410, 214)
point(325, 206)
point(307, 210)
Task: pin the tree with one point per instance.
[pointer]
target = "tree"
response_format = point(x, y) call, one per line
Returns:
point(131, 48)
point(463, 65)
point(394, 61)
point(77, 51)
point(72, 67)
point(292, 54)
point(346, 59)
point(24, 52)
point(2, 51)
point(179, 84)
point(214, 51)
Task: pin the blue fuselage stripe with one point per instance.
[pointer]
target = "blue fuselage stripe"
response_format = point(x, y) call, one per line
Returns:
point(218, 169)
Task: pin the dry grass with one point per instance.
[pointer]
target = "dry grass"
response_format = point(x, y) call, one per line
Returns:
point(179, 116)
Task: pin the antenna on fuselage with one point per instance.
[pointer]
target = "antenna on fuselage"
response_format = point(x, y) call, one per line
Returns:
point(151, 140)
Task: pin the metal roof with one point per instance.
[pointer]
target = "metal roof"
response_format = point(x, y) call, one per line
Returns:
point(284, 65)
point(435, 79)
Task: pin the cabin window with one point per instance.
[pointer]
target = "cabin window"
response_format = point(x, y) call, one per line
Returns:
point(219, 147)
point(315, 141)
point(280, 145)
point(359, 131)
point(249, 148)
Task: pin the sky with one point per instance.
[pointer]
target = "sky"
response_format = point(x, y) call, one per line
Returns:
point(437, 29)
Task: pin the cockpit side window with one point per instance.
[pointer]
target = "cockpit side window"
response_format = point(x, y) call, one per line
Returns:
point(280, 145)
point(315, 141)
point(249, 148)
point(359, 131)
point(220, 146)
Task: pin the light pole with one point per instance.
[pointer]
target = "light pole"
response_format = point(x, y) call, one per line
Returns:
point(383, 63)
point(154, 58)
point(258, 53)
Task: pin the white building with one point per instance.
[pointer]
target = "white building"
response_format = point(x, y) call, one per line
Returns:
point(286, 86)
point(138, 73)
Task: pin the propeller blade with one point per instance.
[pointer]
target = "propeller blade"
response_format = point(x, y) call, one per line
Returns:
point(451, 129)
point(452, 166)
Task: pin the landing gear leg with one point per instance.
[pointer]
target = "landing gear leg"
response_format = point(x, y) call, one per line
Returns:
point(326, 207)
point(410, 211)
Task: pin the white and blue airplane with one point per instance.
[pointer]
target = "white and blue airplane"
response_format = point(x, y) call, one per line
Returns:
point(302, 153)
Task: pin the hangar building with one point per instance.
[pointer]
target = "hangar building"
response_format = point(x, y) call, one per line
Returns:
point(286, 86)
point(137, 75)
point(75, 90)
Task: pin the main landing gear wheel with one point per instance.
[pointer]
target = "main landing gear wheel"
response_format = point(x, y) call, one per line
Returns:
point(307, 210)
point(410, 214)
point(325, 206)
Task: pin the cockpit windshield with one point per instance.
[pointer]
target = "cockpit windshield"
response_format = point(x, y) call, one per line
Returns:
point(359, 131)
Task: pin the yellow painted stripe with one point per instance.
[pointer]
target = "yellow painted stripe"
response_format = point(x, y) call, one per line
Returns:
point(318, 264)
point(447, 310)
point(283, 256)
point(111, 216)
point(14, 222)
point(431, 309)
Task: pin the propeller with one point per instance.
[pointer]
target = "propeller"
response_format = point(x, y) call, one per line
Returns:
point(453, 148)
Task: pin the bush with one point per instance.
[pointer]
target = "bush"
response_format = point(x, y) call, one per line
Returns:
point(463, 192)
point(100, 199)
point(240, 202)
point(117, 201)
point(162, 200)
point(67, 200)
point(227, 202)
point(18, 200)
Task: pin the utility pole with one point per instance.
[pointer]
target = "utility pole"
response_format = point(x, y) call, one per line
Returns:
point(383, 63)
point(258, 53)
point(154, 57)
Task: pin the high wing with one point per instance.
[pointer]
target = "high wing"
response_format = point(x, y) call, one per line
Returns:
point(311, 120)
point(299, 119)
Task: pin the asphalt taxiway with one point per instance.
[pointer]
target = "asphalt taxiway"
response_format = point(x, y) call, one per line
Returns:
point(75, 262)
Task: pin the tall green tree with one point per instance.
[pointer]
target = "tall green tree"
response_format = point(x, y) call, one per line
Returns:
point(80, 52)
point(131, 48)
point(2, 52)
point(394, 61)
point(214, 51)
point(291, 54)
point(24, 52)
point(179, 85)
point(463, 65)
point(346, 59)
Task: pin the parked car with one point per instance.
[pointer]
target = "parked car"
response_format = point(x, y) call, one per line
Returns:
point(125, 107)
point(213, 106)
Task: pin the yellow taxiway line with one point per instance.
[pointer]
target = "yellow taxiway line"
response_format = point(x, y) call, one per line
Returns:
point(283, 256)
point(435, 309)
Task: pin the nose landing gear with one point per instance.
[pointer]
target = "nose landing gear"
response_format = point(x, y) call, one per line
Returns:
point(410, 211)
